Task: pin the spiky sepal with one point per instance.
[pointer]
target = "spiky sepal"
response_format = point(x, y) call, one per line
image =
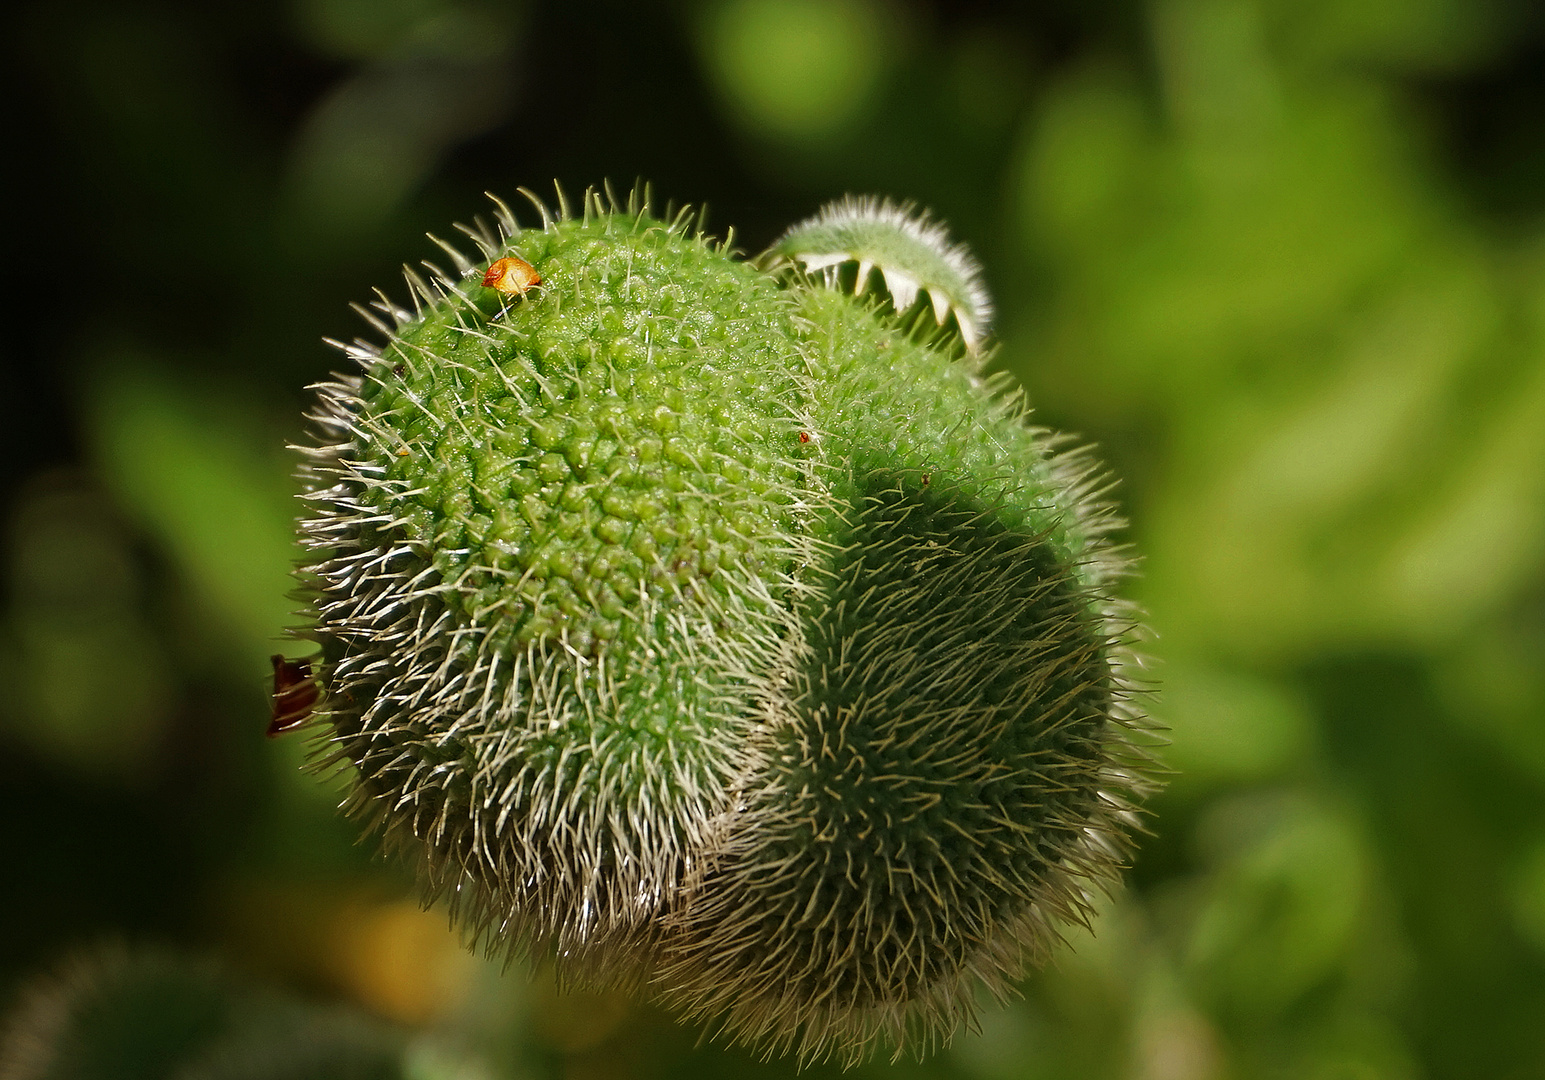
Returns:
point(912, 253)
point(706, 629)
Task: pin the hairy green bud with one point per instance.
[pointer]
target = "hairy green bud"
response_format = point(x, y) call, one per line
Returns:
point(715, 630)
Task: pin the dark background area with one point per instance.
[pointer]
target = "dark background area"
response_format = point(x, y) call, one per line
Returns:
point(1283, 261)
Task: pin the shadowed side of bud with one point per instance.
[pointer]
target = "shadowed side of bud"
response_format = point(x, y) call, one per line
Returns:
point(946, 760)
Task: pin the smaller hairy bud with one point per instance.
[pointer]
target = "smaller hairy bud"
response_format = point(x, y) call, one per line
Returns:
point(714, 630)
point(912, 254)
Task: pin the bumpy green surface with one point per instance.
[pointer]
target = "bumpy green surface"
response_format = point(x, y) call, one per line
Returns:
point(626, 430)
point(707, 629)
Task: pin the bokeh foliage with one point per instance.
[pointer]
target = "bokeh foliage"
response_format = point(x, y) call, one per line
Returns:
point(1284, 261)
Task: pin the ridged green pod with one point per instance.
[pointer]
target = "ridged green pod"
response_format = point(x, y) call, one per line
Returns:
point(720, 632)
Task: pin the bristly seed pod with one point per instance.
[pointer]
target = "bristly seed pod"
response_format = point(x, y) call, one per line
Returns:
point(710, 631)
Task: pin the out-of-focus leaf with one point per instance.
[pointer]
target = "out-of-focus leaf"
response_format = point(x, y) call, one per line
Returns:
point(117, 1014)
point(798, 70)
point(87, 683)
point(364, 28)
point(1421, 35)
point(1493, 684)
point(208, 478)
point(1527, 894)
point(370, 143)
point(1261, 270)
point(1230, 726)
point(1280, 914)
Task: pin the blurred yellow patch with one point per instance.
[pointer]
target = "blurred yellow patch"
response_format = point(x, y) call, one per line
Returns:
point(400, 960)
point(389, 955)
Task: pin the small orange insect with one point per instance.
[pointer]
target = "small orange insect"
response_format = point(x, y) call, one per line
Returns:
point(511, 276)
point(295, 694)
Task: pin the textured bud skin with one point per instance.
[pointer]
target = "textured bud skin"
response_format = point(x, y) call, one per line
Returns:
point(705, 626)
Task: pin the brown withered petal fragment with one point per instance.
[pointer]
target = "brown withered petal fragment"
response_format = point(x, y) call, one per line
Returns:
point(295, 694)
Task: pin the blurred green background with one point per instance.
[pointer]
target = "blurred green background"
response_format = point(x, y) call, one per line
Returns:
point(1284, 260)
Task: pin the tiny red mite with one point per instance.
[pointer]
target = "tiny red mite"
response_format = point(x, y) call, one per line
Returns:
point(804, 436)
point(295, 694)
point(511, 276)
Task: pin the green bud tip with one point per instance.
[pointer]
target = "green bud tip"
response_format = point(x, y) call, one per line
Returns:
point(711, 630)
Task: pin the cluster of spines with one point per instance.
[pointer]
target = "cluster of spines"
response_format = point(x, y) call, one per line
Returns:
point(497, 239)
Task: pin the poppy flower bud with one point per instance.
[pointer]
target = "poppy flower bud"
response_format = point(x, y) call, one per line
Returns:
point(720, 632)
